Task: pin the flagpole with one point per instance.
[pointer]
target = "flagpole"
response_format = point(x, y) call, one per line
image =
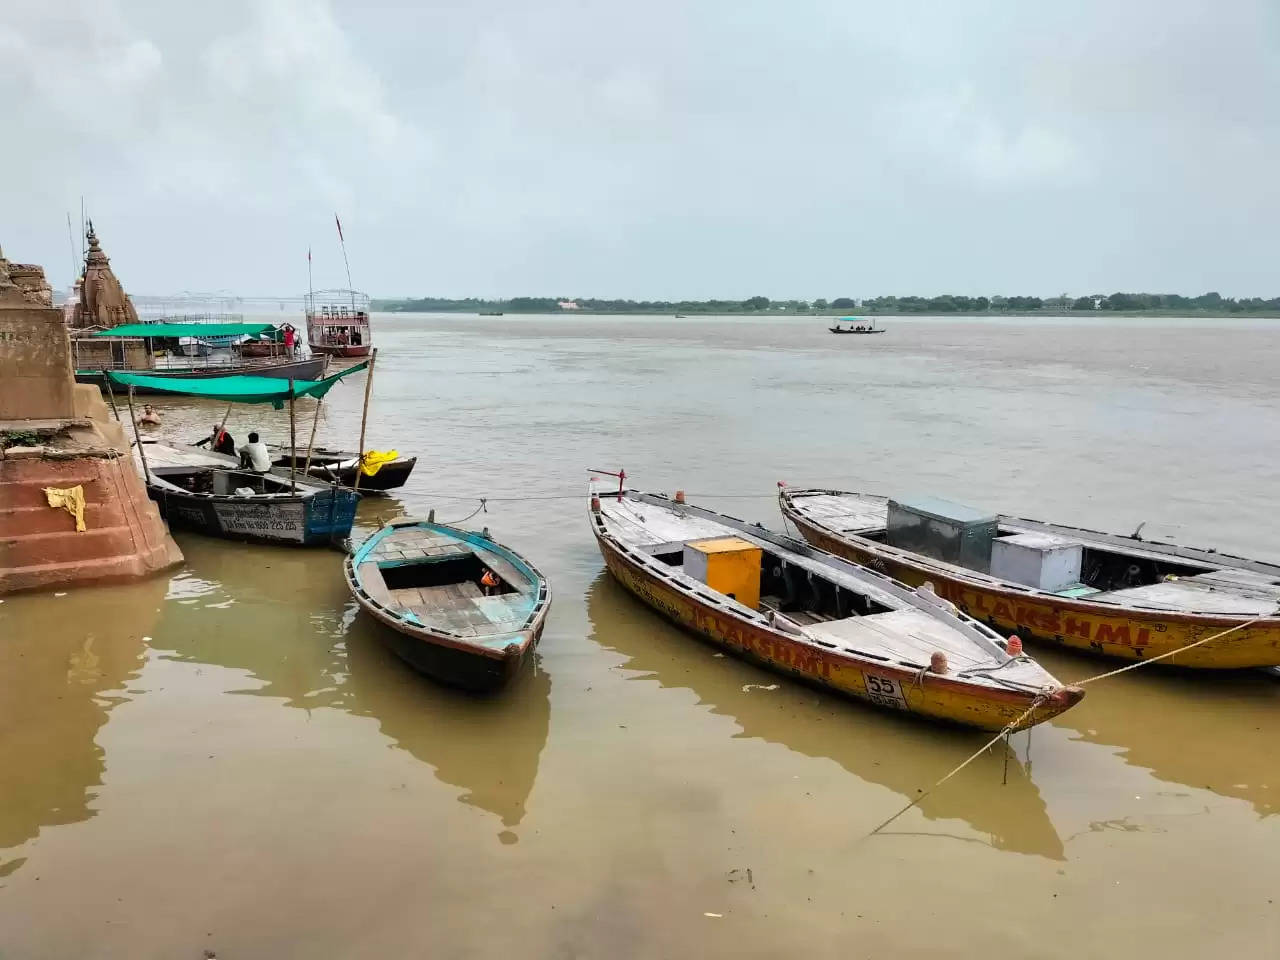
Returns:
point(343, 243)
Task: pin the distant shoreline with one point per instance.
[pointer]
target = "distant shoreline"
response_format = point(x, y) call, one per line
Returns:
point(384, 307)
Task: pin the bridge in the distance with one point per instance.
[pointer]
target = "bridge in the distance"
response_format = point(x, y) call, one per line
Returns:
point(220, 301)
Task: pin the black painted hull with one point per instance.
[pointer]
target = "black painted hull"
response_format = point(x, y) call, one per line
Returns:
point(390, 477)
point(306, 520)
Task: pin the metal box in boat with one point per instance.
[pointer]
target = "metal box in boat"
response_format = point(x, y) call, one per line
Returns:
point(1038, 560)
point(951, 532)
point(728, 565)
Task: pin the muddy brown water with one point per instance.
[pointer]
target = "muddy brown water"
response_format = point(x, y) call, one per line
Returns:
point(227, 758)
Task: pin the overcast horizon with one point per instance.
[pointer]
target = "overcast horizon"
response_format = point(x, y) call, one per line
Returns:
point(498, 149)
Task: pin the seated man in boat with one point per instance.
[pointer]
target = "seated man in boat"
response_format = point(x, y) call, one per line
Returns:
point(488, 582)
point(255, 456)
point(220, 441)
point(149, 416)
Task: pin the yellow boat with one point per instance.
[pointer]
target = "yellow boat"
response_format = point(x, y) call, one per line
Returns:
point(1118, 596)
point(800, 611)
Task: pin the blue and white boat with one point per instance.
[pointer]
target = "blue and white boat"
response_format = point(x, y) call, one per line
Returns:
point(461, 608)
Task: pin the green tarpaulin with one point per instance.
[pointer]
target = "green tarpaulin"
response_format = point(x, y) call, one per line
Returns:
point(187, 330)
point(233, 389)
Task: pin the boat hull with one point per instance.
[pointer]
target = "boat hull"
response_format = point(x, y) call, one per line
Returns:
point(1074, 624)
point(314, 519)
point(389, 477)
point(862, 333)
point(342, 350)
point(454, 665)
point(883, 685)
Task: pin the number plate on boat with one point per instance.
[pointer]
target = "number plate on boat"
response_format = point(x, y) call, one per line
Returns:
point(884, 691)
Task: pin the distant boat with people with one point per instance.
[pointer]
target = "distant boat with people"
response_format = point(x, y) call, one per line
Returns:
point(856, 325)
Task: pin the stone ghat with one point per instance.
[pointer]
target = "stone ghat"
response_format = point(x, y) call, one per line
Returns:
point(39, 545)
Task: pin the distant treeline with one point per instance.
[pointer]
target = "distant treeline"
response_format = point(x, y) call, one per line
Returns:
point(947, 303)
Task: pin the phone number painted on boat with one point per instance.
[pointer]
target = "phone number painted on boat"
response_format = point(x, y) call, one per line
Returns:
point(280, 521)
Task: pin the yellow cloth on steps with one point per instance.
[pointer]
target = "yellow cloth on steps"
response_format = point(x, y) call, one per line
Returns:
point(70, 499)
point(375, 460)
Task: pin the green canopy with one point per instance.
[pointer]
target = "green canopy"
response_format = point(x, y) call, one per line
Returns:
point(186, 330)
point(233, 389)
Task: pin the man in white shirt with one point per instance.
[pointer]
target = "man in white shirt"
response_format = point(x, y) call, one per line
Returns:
point(255, 455)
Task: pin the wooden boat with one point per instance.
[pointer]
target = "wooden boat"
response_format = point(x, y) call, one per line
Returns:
point(212, 494)
point(311, 368)
point(225, 501)
point(800, 611)
point(341, 465)
point(423, 580)
point(1119, 596)
point(856, 325)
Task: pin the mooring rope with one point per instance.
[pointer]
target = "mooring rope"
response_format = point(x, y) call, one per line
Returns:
point(1009, 728)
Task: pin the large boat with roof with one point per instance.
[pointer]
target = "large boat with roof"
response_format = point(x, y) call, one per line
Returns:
point(338, 323)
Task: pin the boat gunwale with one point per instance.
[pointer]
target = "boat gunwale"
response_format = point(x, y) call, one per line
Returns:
point(651, 567)
point(986, 581)
point(521, 637)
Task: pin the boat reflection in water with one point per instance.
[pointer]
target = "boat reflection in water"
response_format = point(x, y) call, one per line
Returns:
point(289, 620)
point(902, 754)
point(58, 683)
point(1177, 744)
point(488, 746)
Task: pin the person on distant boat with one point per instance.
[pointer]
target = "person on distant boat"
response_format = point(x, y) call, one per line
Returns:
point(488, 582)
point(288, 339)
point(220, 441)
point(255, 455)
point(149, 416)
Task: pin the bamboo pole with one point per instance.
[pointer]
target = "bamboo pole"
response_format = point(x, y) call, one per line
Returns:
point(364, 417)
point(146, 471)
point(311, 442)
point(293, 444)
point(111, 394)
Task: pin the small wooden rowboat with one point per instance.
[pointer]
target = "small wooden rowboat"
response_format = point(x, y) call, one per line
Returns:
point(1114, 595)
point(800, 611)
point(341, 465)
point(425, 581)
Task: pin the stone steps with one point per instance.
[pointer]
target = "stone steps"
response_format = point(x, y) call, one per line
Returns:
point(65, 546)
point(127, 566)
point(16, 521)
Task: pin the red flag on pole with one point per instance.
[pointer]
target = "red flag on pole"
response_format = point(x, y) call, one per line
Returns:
point(339, 223)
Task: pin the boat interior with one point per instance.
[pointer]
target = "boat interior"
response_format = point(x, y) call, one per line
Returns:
point(435, 580)
point(799, 595)
point(1064, 561)
point(222, 481)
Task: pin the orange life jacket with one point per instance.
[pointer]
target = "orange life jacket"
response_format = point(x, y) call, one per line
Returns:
point(489, 580)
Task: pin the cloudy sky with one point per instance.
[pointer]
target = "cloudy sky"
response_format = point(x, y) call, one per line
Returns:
point(672, 148)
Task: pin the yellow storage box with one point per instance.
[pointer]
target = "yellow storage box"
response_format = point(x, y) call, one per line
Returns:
point(728, 565)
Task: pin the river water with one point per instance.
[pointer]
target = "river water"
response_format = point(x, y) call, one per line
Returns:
point(227, 758)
